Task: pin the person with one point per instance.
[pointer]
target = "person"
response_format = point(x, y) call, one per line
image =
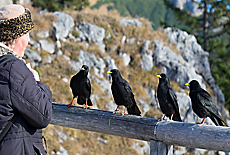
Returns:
point(21, 93)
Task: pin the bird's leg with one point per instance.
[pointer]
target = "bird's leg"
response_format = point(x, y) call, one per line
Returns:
point(124, 111)
point(86, 106)
point(202, 121)
point(171, 117)
point(116, 109)
point(164, 117)
point(71, 103)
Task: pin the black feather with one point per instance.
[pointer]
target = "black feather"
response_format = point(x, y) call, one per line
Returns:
point(81, 86)
point(167, 98)
point(122, 93)
point(202, 104)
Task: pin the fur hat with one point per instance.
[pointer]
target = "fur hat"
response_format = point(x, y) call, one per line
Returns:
point(15, 21)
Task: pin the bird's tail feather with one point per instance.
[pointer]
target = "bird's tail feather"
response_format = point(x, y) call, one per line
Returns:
point(89, 102)
point(134, 110)
point(218, 121)
point(82, 100)
point(176, 117)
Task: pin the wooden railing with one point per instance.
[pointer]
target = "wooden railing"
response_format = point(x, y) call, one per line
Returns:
point(161, 134)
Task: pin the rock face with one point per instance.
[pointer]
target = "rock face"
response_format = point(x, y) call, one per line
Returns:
point(90, 32)
point(33, 56)
point(189, 5)
point(126, 58)
point(129, 22)
point(63, 26)
point(91, 61)
point(46, 46)
point(147, 58)
point(196, 59)
point(174, 65)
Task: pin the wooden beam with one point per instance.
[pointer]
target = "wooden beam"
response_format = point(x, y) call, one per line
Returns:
point(143, 128)
point(107, 122)
point(160, 148)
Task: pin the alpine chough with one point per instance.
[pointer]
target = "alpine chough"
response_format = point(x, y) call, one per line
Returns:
point(167, 98)
point(202, 104)
point(122, 93)
point(81, 87)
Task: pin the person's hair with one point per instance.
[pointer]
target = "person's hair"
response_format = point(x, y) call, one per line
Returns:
point(8, 43)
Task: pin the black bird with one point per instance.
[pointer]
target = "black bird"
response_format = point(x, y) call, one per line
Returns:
point(81, 87)
point(167, 99)
point(202, 104)
point(122, 93)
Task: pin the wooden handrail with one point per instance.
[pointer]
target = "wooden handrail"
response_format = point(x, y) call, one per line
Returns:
point(169, 132)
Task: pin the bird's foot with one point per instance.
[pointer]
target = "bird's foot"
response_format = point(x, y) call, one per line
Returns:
point(161, 119)
point(117, 114)
point(86, 107)
point(70, 104)
point(202, 124)
point(115, 111)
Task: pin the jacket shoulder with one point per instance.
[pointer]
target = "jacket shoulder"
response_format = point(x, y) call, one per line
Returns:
point(18, 72)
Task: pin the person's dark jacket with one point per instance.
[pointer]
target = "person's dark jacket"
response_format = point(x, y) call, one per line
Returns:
point(31, 100)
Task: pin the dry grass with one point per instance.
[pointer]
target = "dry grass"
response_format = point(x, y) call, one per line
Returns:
point(86, 143)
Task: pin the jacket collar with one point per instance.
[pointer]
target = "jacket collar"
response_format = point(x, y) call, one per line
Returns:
point(4, 50)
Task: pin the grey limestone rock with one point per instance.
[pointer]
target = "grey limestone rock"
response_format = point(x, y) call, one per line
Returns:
point(33, 56)
point(144, 106)
point(144, 148)
point(189, 5)
point(174, 65)
point(63, 26)
point(126, 58)
point(46, 46)
point(91, 61)
point(110, 63)
point(146, 62)
point(90, 32)
point(129, 22)
point(147, 58)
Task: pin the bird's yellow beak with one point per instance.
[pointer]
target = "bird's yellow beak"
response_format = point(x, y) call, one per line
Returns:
point(187, 84)
point(109, 72)
point(159, 76)
point(83, 69)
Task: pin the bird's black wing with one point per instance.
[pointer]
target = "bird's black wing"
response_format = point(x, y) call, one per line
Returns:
point(88, 85)
point(206, 100)
point(173, 96)
point(128, 89)
point(132, 108)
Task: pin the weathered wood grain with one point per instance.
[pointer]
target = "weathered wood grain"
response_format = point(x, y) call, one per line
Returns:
point(107, 122)
point(143, 128)
point(160, 148)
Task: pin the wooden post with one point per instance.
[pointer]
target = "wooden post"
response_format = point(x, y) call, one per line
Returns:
point(160, 148)
point(169, 132)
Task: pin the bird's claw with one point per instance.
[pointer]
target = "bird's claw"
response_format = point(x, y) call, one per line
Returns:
point(70, 105)
point(117, 114)
point(201, 124)
point(115, 111)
